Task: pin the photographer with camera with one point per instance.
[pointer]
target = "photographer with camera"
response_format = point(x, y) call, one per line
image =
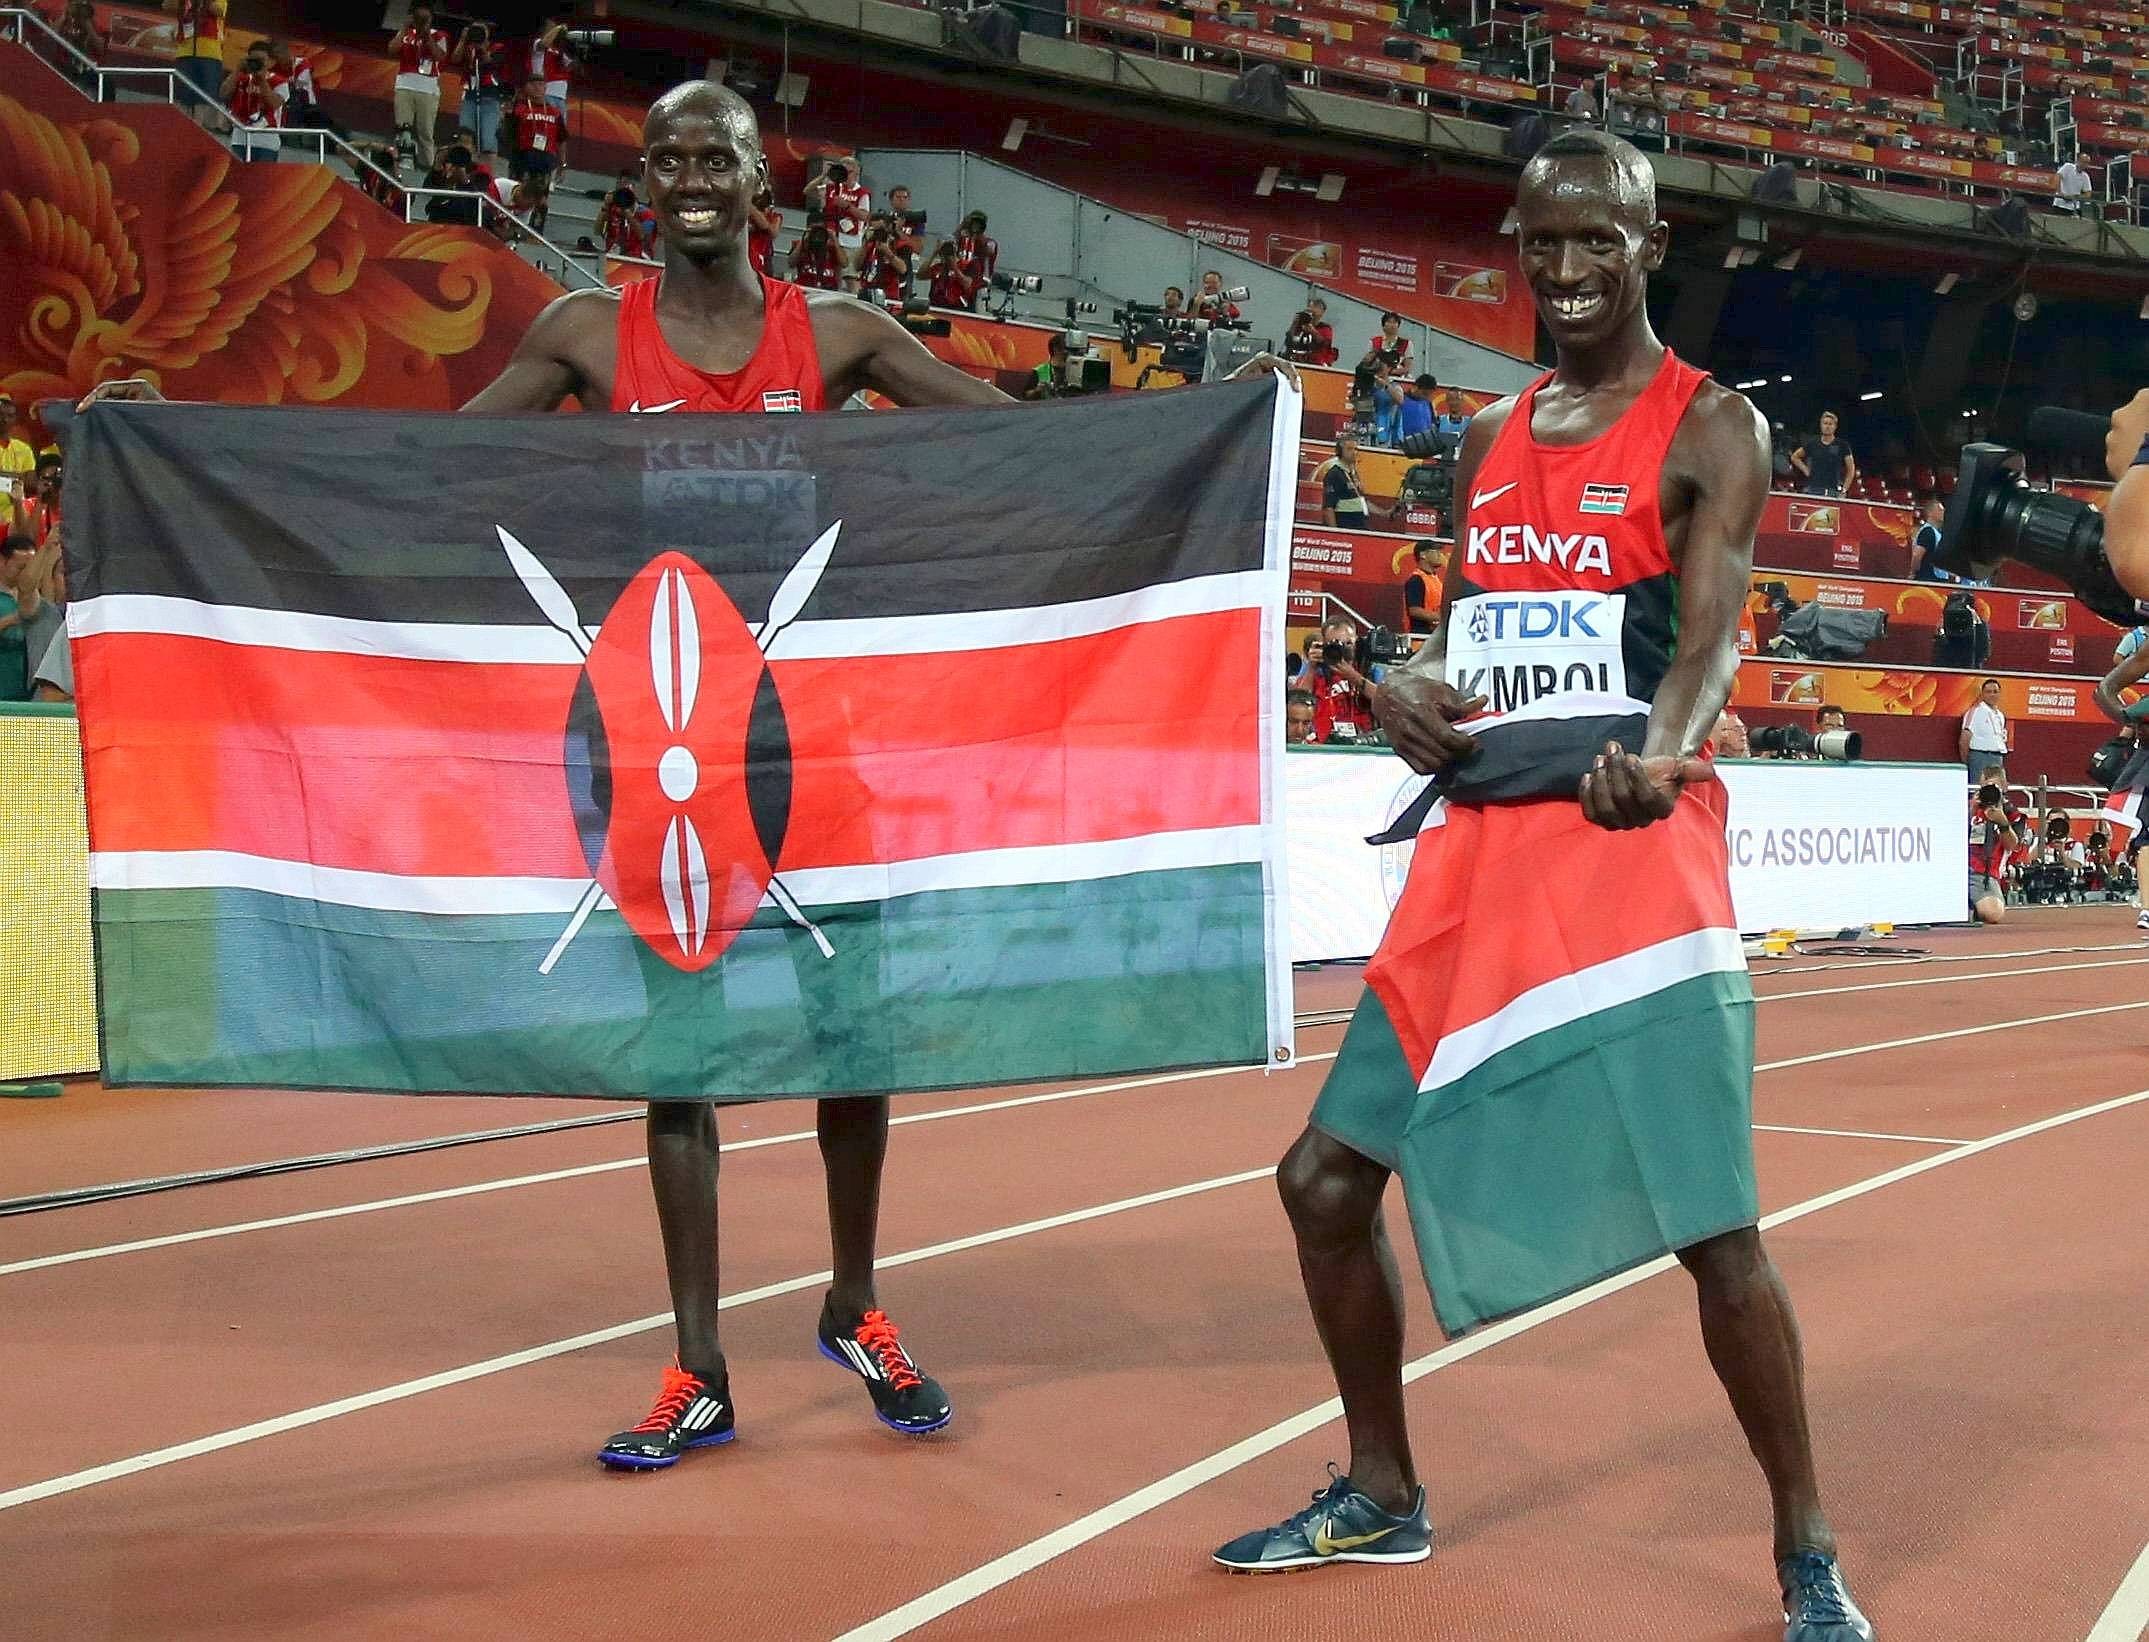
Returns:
point(884, 263)
point(420, 50)
point(1173, 308)
point(815, 261)
point(976, 250)
point(1997, 830)
point(844, 205)
point(1343, 495)
point(947, 286)
point(1050, 379)
point(1342, 695)
point(257, 107)
point(552, 62)
point(482, 64)
point(1211, 303)
point(454, 174)
point(1414, 411)
point(1311, 340)
point(1391, 347)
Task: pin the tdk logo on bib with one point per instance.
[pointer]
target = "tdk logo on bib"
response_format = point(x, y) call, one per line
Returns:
point(1516, 648)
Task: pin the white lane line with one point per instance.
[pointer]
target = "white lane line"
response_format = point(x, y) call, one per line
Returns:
point(482, 1187)
point(1855, 1134)
point(511, 1182)
point(1003, 1570)
point(74, 1481)
point(1948, 958)
point(2126, 1616)
point(1958, 1032)
point(1954, 980)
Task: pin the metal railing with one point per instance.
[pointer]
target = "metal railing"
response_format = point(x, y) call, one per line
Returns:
point(16, 24)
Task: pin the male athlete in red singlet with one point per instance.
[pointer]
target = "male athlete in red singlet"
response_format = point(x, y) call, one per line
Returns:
point(1556, 1047)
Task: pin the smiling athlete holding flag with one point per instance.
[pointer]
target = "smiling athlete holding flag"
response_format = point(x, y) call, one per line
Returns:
point(1556, 1047)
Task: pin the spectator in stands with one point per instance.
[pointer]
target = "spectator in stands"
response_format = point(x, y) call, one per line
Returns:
point(459, 204)
point(483, 63)
point(884, 263)
point(1996, 831)
point(539, 133)
point(1729, 737)
point(1298, 713)
point(844, 205)
point(1421, 588)
point(257, 109)
point(77, 26)
point(815, 261)
point(1926, 543)
point(1453, 422)
point(1825, 462)
point(200, 52)
point(977, 250)
point(18, 605)
point(18, 465)
point(420, 50)
point(1210, 303)
point(947, 286)
point(1342, 695)
point(1173, 306)
point(2073, 188)
point(1343, 495)
point(1414, 413)
point(1391, 345)
point(761, 225)
point(1984, 738)
point(1311, 340)
point(1581, 103)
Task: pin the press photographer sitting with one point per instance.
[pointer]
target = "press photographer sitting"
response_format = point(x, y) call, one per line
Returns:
point(1342, 695)
point(1997, 830)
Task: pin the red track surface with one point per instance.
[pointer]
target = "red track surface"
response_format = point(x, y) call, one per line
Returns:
point(1974, 1334)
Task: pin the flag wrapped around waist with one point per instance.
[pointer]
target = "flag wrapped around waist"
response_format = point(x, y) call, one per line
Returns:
point(684, 756)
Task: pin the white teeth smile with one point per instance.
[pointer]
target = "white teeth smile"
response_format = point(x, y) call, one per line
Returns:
point(1576, 307)
point(697, 218)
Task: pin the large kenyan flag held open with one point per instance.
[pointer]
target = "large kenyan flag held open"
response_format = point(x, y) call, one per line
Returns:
point(671, 756)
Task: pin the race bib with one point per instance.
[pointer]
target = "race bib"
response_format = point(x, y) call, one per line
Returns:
point(1518, 648)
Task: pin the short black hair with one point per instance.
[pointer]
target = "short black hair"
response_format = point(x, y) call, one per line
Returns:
point(1981, 683)
point(19, 544)
point(1425, 380)
point(1391, 314)
point(1171, 288)
point(459, 155)
point(1428, 545)
point(1056, 343)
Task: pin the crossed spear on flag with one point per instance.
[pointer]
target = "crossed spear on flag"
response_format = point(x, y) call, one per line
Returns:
point(557, 608)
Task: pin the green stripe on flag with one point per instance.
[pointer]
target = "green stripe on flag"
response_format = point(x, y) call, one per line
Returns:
point(929, 991)
point(1584, 1150)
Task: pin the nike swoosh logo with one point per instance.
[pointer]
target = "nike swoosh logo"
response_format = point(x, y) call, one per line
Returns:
point(1323, 1545)
point(651, 410)
point(1484, 496)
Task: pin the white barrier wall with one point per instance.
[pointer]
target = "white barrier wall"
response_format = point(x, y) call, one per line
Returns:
point(1812, 846)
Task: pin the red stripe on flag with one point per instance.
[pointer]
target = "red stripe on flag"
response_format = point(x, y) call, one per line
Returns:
point(455, 768)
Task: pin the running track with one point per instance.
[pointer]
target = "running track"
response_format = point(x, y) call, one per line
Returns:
point(377, 1421)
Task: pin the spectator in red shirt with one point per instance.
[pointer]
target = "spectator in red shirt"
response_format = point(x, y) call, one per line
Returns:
point(539, 129)
point(1210, 303)
point(550, 63)
point(1311, 340)
point(948, 285)
point(815, 261)
point(257, 109)
point(420, 50)
point(845, 205)
point(977, 250)
point(1342, 695)
point(624, 226)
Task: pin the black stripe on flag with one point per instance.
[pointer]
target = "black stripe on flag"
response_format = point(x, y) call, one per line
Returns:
point(390, 515)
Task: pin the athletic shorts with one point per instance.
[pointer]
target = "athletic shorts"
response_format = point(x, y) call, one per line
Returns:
point(1555, 1050)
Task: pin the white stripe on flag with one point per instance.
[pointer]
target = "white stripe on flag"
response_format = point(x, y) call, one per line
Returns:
point(1589, 991)
point(537, 643)
point(820, 886)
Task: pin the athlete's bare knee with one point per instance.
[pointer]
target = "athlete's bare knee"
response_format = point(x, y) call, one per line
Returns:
point(1729, 1266)
point(1330, 1192)
point(1991, 910)
point(676, 1121)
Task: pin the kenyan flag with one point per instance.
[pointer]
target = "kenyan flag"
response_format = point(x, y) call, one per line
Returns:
point(684, 756)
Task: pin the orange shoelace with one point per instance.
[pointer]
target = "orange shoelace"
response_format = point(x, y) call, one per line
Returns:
point(877, 1335)
point(680, 1388)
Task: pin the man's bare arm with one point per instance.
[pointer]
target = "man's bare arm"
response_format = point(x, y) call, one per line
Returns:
point(2127, 673)
point(864, 347)
point(1730, 456)
point(549, 364)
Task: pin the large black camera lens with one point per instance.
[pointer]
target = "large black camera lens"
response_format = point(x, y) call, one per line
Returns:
point(1995, 515)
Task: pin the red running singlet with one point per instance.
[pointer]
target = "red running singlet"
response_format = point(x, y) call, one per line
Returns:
point(1568, 609)
point(783, 375)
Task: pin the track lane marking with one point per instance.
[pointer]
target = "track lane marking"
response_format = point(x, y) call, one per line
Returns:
point(2126, 1616)
point(1005, 1569)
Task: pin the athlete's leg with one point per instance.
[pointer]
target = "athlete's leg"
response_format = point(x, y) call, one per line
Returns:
point(854, 1146)
point(682, 1173)
point(1333, 1197)
point(1753, 1344)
